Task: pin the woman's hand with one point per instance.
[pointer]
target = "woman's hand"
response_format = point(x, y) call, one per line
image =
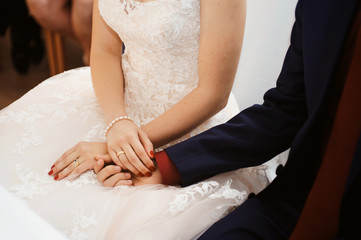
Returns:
point(78, 159)
point(112, 176)
point(130, 148)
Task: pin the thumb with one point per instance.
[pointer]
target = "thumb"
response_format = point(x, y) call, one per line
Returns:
point(106, 158)
point(98, 165)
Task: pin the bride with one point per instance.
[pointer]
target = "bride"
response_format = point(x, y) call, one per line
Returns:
point(172, 82)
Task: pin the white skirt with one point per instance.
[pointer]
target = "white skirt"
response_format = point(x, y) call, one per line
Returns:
point(63, 110)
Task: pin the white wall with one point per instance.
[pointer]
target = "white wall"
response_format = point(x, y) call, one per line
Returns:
point(267, 38)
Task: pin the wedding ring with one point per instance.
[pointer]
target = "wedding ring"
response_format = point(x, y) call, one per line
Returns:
point(120, 152)
point(76, 163)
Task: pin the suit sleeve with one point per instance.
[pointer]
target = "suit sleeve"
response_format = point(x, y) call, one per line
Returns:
point(256, 134)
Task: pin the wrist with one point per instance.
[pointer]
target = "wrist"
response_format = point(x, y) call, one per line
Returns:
point(114, 121)
point(168, 171)
point(113, 112)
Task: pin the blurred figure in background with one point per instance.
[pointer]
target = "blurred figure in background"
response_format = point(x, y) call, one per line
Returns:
point(72, 18)
point(27, 47)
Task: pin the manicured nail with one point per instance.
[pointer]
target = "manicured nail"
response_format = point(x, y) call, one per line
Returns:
point(56, 177)
point(50, 173)
point(117, 168)
point(148, 174)
point(52, 166)
point(140, 174)
point(152, 169)
point(151, 154)
point(99, 163)
point(127, 175)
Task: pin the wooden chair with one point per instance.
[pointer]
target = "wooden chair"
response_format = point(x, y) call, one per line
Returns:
point(55, 51)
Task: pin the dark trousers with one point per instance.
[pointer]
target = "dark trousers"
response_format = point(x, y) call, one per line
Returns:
point(257, 218)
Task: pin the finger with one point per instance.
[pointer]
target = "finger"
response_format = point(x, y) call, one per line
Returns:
point(98, 165)
point(106, 158)
point(124, 183)
point(136, 161)
point(64, 163)
point(107, 172)
point(67, 153)
point(119, 162)
point(147, 144)
point(83, 167)
point(66, 171)
point(112, 180)
point(141, 153)
point(132, 162)
point(114, 157)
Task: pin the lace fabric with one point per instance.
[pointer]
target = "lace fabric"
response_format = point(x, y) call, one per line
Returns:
point(161, 41)
point(160, 66)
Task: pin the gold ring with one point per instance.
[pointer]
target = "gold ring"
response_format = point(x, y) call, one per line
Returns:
point(120, 152)
point(76, 163)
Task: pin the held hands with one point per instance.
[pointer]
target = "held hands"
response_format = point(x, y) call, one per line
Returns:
point(130, 148)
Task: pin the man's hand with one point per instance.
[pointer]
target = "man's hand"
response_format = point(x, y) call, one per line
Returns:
point(112, 176)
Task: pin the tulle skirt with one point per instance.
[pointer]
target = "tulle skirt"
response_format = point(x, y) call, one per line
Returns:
point(63, 110)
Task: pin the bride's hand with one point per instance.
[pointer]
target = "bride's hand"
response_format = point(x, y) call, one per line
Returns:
point(77, 159)
point(130, 148)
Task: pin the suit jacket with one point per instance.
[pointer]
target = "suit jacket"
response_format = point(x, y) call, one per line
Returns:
point(294, 114)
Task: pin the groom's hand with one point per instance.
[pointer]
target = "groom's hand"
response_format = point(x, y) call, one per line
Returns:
point(111, 176)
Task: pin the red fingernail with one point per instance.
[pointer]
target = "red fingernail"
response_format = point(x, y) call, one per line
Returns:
point(50, 173)
point(151, 154)
point(52, 166)
point(152, 169)
point(140, 175)
point(148, 174)
point(56, 177)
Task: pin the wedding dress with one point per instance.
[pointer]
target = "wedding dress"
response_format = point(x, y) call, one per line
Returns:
point(161, 40)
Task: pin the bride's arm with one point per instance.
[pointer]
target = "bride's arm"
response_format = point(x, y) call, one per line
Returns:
point(221, 37)
point(106, 71)
point(108, 82)
point(222, 28)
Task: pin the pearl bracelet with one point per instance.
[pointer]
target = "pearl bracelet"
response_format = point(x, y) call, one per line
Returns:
point(114, 122)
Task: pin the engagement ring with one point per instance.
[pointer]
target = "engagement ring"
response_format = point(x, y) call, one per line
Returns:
point(76, 163)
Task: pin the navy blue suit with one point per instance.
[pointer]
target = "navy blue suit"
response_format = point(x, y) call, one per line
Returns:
point(293, 115)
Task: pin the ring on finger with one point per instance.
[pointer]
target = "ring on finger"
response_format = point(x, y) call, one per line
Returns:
point(120, 152)
point(76, 163)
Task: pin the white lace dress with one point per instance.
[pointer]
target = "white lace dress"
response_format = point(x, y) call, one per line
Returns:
point(160, 68)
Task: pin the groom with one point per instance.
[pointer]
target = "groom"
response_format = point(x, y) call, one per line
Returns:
point(315, 111)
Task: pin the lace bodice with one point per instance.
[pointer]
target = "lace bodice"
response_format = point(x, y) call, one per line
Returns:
point(160, 62)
